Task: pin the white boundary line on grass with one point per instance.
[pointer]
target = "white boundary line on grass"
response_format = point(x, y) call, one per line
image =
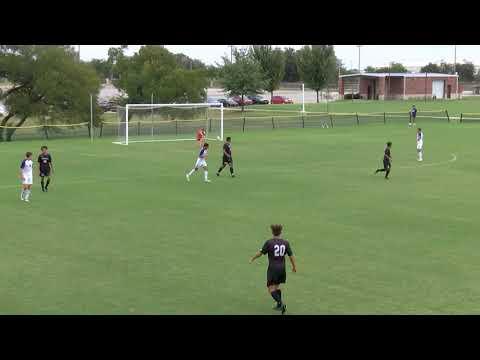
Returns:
point(453, 159)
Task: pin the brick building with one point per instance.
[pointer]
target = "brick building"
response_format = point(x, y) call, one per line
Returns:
point(382, 86)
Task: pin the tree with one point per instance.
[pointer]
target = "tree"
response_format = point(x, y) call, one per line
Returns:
point(342, 70)
point(102, 67)
point(115, 55)
point(431, 68)
point(466, 70)
point(392, 68)
point(291, 70)
point(317, 66)
point(189, 64)
point(272, 65)
point(48, 83)
point(242, 77)
point(155, 70)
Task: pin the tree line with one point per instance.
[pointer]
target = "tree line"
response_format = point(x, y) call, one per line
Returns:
point(49, 84)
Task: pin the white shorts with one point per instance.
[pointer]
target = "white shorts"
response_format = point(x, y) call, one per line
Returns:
point(419, 145)
point(27, 180)
point(200, 163)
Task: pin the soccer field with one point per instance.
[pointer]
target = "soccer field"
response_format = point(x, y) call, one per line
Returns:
point(122, 232)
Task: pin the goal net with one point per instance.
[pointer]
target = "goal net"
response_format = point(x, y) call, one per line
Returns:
point(139, 123)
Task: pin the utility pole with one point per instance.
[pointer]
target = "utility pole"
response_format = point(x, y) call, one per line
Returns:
point(359, 68)
point(78, 53)
point(454, 59)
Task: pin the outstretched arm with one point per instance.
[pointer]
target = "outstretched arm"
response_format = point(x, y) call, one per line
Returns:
point(294, 266)
point(256, 256)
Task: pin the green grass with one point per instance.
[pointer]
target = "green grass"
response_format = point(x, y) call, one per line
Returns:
point(470, 105)
point(121, 232)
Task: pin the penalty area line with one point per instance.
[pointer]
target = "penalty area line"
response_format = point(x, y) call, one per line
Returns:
point(453, 159)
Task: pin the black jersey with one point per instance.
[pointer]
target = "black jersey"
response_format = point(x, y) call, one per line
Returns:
point(276, 249)
point(227, 149)
point(387, 155)
point(45, 162)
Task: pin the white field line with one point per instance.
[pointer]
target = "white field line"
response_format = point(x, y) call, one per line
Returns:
point(420, 165)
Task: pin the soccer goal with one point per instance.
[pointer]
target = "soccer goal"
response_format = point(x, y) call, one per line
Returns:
point(138, 123)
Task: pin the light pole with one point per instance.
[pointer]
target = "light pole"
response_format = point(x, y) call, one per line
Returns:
point(455, 69)
point(359, 68)
point(454, 59)
point(78, 53)
point(231, 53)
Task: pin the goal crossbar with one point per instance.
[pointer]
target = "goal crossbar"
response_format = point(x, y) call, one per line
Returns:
point(172, 106)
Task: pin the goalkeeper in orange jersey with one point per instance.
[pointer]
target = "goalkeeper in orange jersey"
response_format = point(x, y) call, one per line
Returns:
point(201, 136)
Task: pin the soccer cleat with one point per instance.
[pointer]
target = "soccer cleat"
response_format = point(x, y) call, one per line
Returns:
point(277, 307)
point(26, 200)
point(188, 177)
point(233, 176)
point(218, 174)
point(207, 181)
point(284, 309)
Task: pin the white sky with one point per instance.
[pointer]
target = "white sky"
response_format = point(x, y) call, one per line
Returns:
point(371, 55)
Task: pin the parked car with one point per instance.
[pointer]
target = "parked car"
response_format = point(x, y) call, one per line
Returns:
point(245, 101)
point(211, 100)
point(281, 100)
point(256, 99)
point(227, 102)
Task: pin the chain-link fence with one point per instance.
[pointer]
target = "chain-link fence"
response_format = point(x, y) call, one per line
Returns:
point(236, 123)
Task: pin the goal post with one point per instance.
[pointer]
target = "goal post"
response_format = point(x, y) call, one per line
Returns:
point(138, 123)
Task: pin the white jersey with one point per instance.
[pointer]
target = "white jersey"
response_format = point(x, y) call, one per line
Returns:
point(27, 171)
point(420, 136)
point(203, 154)
point(201, 162)
point(420, 140)
point(27, 167)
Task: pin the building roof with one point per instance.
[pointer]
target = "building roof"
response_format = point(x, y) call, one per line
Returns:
point(408, 75)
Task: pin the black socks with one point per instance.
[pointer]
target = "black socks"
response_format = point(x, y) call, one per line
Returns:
point(277, 296)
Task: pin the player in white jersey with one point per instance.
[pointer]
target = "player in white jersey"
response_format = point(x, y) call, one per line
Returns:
point(201, 163)
point(419, 144)
point(26, 175)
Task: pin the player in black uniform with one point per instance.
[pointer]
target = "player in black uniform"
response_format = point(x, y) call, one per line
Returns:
point(387, 160)
point(413, 116)
point(45, 167)
point(227, 157)
point(276, 248)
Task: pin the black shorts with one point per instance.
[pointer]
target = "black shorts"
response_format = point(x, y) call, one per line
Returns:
point(227, 160)
point(276, 276)
point(386, 164)
point(44, 173)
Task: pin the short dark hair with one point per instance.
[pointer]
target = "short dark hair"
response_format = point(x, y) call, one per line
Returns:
point(389, 143)
point(205, 145)
point(28, 154)
point(419, 129)
point(229, 138)
point(44, 148)
point(276, 229)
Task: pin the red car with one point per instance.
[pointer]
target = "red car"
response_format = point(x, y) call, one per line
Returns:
point(281, 100)
point(246, 100)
